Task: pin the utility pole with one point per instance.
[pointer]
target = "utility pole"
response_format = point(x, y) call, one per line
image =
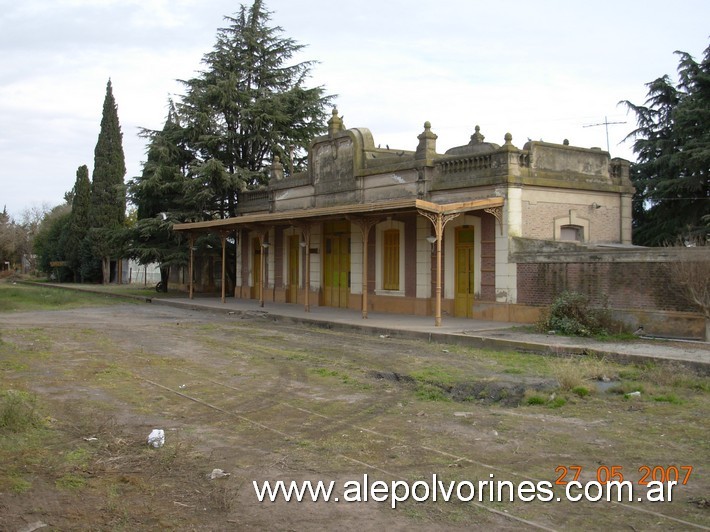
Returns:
point(606, 124)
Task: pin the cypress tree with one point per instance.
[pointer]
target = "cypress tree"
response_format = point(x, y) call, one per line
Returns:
point(108, 193)
point(79, 221)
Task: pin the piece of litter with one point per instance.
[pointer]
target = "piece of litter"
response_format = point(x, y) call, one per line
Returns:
point(444, 350)
point(633, 394)
point(156, 438)
point(384, 336)
point(31, 527)
point(218, 473)
point(182, 386)
point(91, 439)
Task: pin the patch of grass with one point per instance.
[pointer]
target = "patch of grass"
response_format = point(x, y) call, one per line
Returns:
point(557, 402)
point(581, 391)
point(19, 485)
point(78, 457)
point(70, 481)
point(536, 400)
point(344, 377)
point(574, 373)
point(668, 398)
point(429, 392)
point(434, 374)
point(21, 298)
point(18, 412)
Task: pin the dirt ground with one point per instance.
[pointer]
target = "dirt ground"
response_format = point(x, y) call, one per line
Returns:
point(272, 401)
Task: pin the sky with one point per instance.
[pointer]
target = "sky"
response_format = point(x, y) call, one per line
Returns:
point(545, 70)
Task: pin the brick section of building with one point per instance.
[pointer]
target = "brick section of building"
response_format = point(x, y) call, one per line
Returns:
point(643, 285)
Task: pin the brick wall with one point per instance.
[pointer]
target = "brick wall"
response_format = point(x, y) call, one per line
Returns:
point(627, 279)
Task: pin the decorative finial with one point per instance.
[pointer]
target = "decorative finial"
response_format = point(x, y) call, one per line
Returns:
point(565, 142)
point(508, 138)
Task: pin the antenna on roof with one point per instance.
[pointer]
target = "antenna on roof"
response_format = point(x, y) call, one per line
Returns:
point(606, 124)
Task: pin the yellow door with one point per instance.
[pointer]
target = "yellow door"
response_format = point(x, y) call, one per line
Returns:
point(294, 249)
point(255, 268)
point(336, 264)
point(465, 286)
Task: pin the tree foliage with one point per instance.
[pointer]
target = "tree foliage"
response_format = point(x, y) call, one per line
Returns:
point(672, 144)
point(79, 220)
point(50, 242)
point(249, 104)
point(159, 195)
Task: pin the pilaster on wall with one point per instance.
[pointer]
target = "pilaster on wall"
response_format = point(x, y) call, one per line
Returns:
point(507, 273)
point(316, 242)
point(271, 259)
point(356, 266)
point(626, 214)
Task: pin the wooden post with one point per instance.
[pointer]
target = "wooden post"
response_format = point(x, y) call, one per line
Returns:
point(264, 246)
point(236, 261)
point(223, 237)
point(191, 243)
point(439, 230)
point(439, 220)
point(365, 224)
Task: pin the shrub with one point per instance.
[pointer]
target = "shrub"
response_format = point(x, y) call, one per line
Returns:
point(572, 314)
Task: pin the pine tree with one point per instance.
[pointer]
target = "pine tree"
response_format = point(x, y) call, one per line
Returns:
point(108, 194)
point(158, 195)
point(672, 143)
point(249, 104)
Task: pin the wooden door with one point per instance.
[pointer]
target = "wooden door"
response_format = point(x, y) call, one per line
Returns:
point(464, 274)
point(336, 264)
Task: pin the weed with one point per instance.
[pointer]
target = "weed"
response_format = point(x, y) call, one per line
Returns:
point(574, 373)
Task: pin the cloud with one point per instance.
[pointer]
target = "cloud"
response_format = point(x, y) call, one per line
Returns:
point(534, 69)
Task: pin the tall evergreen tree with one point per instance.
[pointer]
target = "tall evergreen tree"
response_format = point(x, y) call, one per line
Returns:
point(108, 194)
point(79, 221)
point(672, 143)
point(159, 196)
point(249, 104)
